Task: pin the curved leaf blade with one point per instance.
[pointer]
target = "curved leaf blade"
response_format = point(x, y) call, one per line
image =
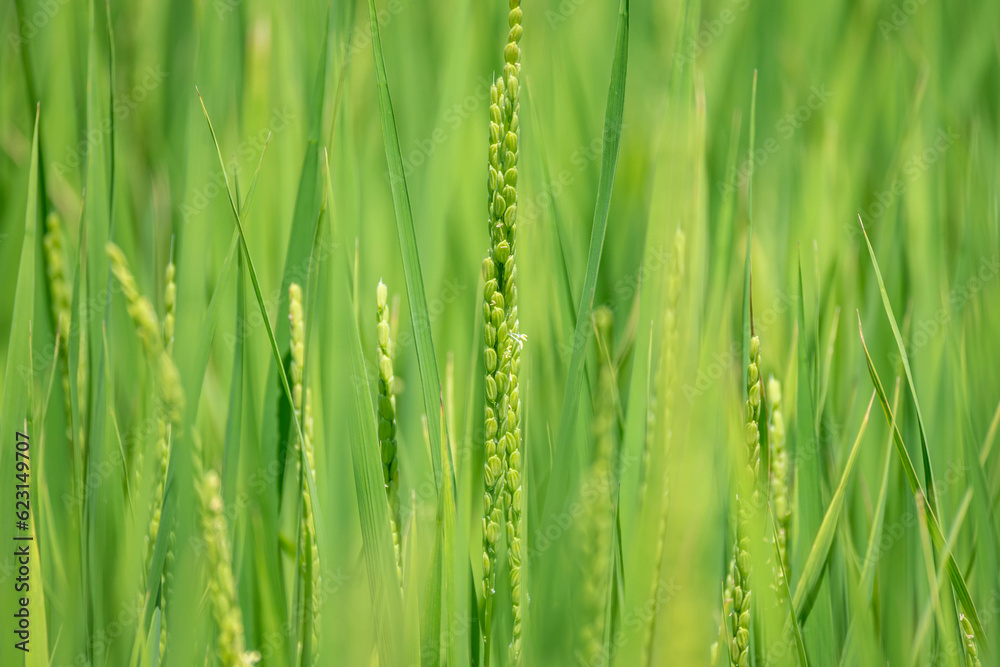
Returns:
point(954, 572)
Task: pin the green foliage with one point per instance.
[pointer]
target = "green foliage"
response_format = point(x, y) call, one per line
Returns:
point(233, 456)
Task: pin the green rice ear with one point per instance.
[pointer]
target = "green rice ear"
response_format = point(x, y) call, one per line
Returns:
point(55, 264)
point(661, 391)
point(149, 330)
point(61, 302)
point(779, 481)
point(596, 521)
point(309, 565)
point(164, 427)
point(298, 344)
point(230, 642)
point(970, 643)
point(170, 309)
point(738, 584)
point(308, 550)
point(387, 415)
point(503, 340)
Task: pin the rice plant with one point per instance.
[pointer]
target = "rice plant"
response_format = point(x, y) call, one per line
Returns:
point(387, 415)
point(221, 584)
point(779, 481)
point(738, 590)
point(628, 421)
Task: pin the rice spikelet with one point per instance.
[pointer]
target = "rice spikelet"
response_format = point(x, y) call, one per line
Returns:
point(595, 538)
point(738, 592)
point(503, 341)
point(298, 348)
point(230, 641)
point(309, 566)
point(164, 427)
point(170, 309)
point(666, 374)
point(163, 442)
point(779, 480)
point(310, 570)
point(969, 641)
point(61, 302)
point(502, 338)
point(387, 416)
point(148, 328)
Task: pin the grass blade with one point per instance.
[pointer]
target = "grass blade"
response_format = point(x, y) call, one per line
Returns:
point(419, 313)
point(815, 566)
point(609, 162)
point(806, 444)
point(380, 562)
point(747, 267)
point(16, 408)
point(875, 535)
point(321, 526)
point(234, 420)
point(954, 573)
point(872, 554)
point(800, 645)
point(808, 456)
point(932, 500)
point(277, 422)
point(378, 553)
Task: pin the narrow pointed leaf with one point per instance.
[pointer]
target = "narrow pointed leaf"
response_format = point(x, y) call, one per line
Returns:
point(954, 573)
point(419, 313)
point(16, 411)
point(609, 163)
point(815, 566)
point(932, 500)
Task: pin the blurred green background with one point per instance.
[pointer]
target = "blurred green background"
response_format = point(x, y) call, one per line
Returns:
point(884, 109)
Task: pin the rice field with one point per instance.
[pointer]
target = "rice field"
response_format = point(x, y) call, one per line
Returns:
point(489, 334)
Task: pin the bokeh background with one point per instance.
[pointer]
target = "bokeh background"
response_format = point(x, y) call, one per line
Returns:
point(884, 109)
